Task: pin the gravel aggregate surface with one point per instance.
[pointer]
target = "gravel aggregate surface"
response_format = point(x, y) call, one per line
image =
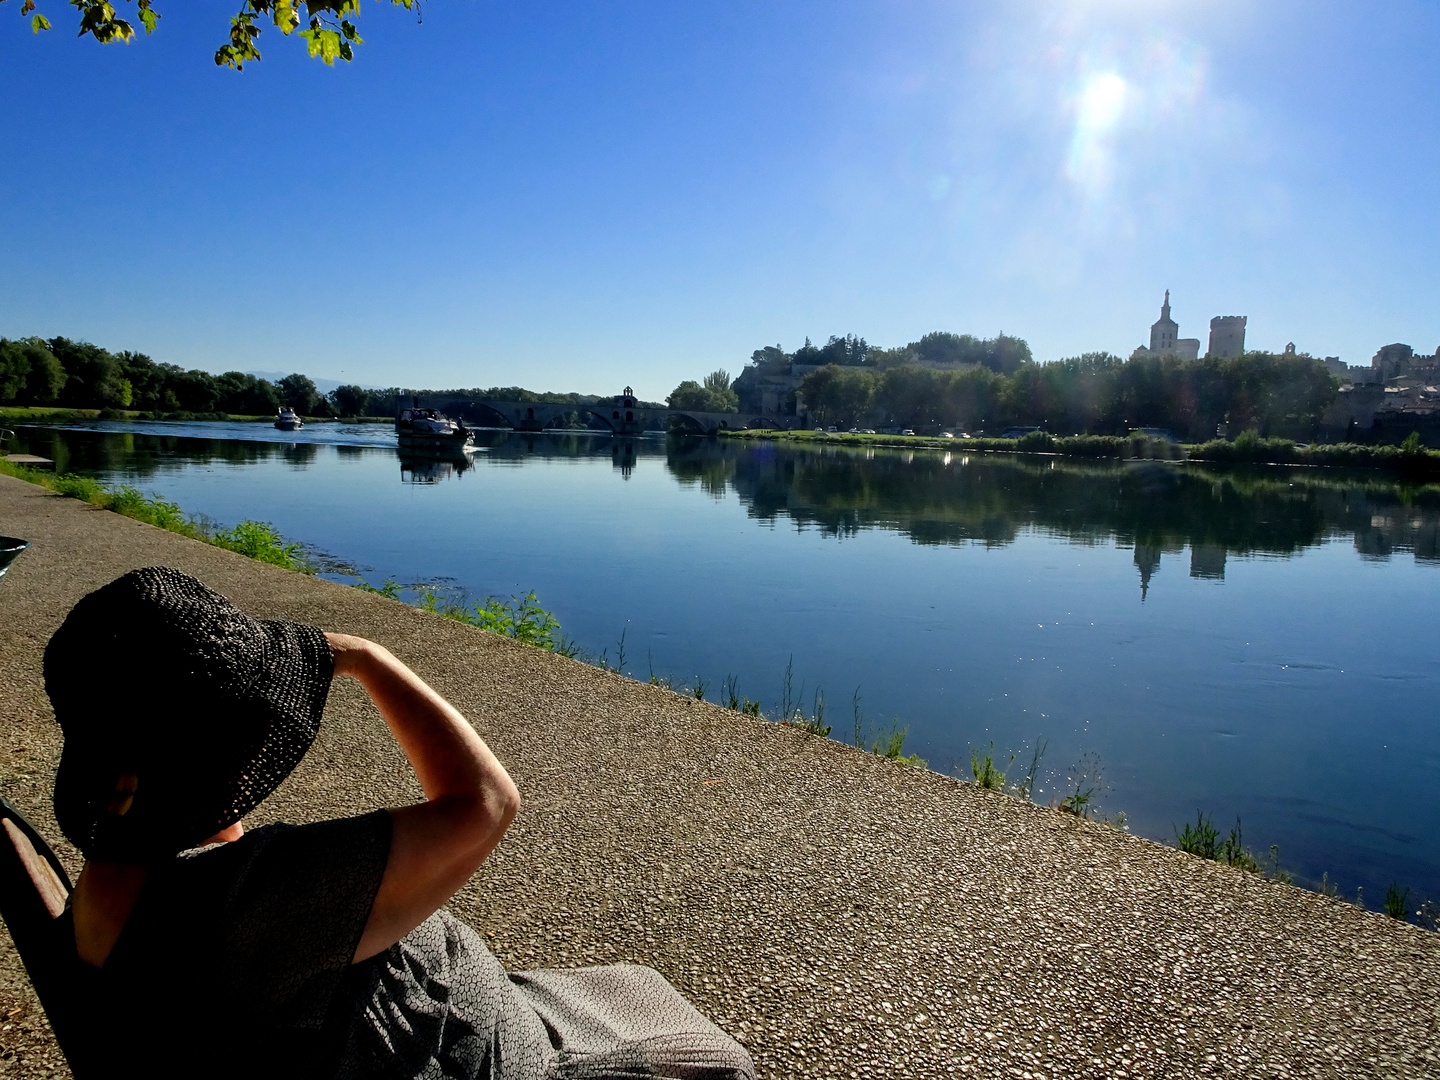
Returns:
point(840, 914)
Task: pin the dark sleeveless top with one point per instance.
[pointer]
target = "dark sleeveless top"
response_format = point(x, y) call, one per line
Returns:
point(236, 962)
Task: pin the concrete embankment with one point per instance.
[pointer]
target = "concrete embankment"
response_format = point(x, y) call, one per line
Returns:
point(841, 914)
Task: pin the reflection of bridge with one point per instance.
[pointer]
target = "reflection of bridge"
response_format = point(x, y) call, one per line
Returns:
point(623, 414)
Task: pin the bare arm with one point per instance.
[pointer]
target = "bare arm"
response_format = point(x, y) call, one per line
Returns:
point(470, 799)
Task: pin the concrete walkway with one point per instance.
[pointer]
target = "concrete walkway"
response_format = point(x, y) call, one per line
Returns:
point(840, 914)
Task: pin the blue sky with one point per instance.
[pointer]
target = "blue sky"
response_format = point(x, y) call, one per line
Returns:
point(583, 195)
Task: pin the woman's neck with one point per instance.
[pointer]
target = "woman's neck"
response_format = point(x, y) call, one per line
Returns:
point(101, 904)
point(106, 894)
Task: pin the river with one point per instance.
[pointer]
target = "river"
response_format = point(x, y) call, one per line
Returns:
point(1258, 644)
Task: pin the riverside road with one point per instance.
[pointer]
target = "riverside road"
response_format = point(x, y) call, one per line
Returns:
point(840, 914)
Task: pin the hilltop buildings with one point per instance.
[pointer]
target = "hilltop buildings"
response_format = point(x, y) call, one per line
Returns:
point(1397, 394)
point(1227, 337)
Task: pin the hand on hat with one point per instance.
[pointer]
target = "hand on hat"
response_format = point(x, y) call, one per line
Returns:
point(351, 652)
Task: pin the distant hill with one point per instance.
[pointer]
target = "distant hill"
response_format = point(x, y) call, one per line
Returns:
point(323, 385)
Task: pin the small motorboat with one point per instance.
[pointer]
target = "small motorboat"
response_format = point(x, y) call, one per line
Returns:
point(426, 427)
point(286, 420)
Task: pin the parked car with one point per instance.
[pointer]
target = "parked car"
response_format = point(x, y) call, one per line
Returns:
point(907, 431)
point(868, 431)
point(947, 434)
point(832, 427)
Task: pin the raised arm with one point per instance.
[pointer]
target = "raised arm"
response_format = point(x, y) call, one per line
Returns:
point(469, 798)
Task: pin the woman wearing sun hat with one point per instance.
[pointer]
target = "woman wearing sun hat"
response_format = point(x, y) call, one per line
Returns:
point(317, 950)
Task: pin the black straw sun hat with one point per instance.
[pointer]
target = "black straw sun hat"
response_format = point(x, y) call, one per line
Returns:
point(180, 712)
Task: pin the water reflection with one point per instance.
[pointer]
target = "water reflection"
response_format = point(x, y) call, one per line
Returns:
point(1153, 508)
point(431, 470)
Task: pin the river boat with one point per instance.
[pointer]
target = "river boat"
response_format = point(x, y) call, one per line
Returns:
point(428, 428)
point(287, 420)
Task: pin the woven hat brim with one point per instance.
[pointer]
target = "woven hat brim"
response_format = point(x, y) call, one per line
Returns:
point(294, 686)
point(280, 716)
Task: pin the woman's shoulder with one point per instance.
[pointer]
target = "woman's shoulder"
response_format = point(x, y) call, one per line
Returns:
point(282, 846)
point(266, 914)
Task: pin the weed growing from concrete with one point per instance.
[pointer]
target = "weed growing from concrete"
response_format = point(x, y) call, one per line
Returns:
point(1088, 782)
point(982, 766)
point(814, 724)
point(891, 744)
point(1204, 840)
point(1397, 902)
point(731, 698)
point(1026, 786)
point(390, 589)
point(1272, 869)
point(520, 618)
point(788, 697)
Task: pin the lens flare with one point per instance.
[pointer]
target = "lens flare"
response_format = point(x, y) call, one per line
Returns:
point(1098, 111)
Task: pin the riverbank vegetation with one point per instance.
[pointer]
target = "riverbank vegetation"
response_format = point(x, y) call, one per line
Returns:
point(520, 618)
point(1410, 459)
point(254, 539)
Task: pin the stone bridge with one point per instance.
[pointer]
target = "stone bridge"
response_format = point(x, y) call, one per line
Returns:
point(623, 415)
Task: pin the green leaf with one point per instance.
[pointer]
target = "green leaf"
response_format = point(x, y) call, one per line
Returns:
point(38, 22)
point(148, 18)
point(286, 17)
point(323, 43)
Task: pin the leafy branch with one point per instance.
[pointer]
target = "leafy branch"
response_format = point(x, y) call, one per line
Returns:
point(328, 34)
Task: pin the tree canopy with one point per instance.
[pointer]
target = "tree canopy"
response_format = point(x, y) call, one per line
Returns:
point(1096, 393)
point(328, 34)
point(714, 395)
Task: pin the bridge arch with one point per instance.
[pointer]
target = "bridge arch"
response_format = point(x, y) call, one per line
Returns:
point(490, 411)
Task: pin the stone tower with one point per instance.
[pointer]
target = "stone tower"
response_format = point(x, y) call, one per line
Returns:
point(1227, 336)
point(1165, 339)
point(1164, 330)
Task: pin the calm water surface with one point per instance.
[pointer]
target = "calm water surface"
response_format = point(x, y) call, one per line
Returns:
point(1259, 644)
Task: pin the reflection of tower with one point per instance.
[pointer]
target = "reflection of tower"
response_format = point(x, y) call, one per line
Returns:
point(622, 456)
point(1147, 558)
point(1207, 561)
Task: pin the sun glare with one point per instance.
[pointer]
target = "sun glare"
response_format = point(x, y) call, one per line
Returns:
point(1099, 108)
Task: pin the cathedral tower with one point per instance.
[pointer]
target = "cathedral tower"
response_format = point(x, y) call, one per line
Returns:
point(1164, 330)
